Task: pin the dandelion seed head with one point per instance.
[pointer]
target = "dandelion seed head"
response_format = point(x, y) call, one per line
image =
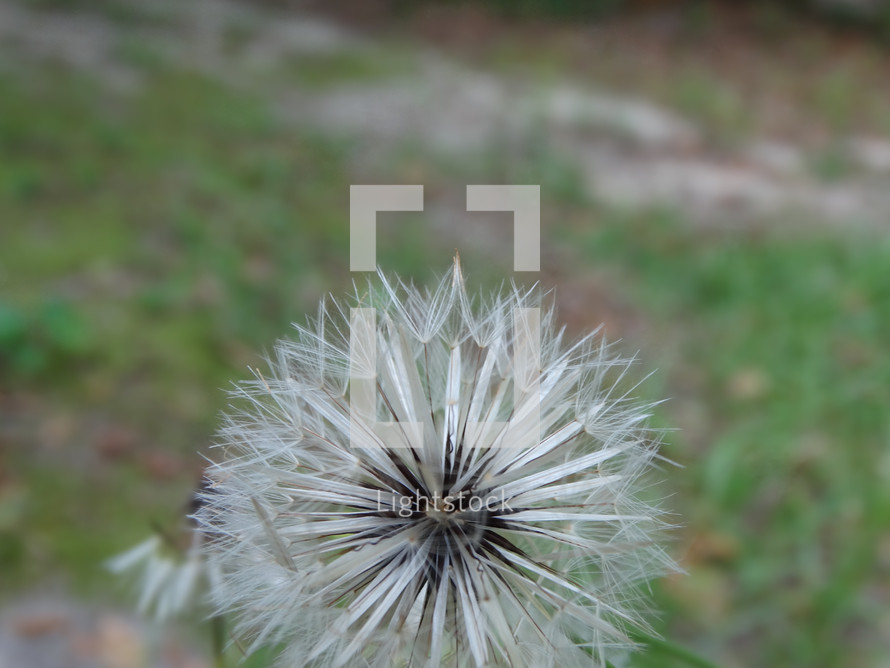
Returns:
point(487, 510)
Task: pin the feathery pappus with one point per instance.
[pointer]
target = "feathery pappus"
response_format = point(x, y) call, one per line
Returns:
point(171, 577)
point(429, 478)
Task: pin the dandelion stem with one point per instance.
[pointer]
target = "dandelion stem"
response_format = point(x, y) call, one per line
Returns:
point(218, 640)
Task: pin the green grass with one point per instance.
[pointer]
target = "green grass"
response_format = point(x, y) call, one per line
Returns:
point(153, 246)
point(322, 70)
point(782, 340)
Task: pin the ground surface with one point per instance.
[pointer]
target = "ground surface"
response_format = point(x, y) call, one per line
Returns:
point(173, 193)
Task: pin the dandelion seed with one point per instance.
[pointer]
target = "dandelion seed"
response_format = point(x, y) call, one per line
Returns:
point(508, 528)
point(170, 581)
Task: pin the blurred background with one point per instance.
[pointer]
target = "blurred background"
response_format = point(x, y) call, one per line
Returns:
point(715, 183)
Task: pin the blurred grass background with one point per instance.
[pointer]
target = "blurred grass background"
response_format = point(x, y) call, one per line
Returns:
point(156, 240)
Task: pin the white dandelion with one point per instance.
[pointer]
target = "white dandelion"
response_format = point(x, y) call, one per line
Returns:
point(487, 510)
